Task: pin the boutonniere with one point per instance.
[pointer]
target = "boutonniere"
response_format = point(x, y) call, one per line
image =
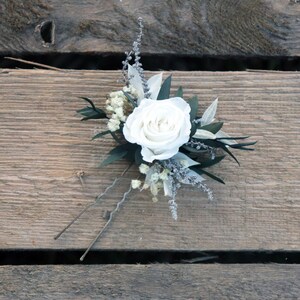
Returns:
point(162, 134)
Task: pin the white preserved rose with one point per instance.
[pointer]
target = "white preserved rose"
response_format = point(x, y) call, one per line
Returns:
point(159, 126)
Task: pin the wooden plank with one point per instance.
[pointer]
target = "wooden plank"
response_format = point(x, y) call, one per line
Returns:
point(151, 282)
point(43, 146)
point(208, 27)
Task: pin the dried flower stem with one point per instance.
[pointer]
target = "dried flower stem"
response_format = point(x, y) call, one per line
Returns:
point(107, 223)
point(98, 198)
point(35, 64)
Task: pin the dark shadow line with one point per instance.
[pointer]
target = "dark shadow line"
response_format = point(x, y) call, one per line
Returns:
point(107, 61)
point(71, 257)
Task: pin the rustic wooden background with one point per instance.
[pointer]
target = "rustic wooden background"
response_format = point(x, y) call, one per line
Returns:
point(43, 147)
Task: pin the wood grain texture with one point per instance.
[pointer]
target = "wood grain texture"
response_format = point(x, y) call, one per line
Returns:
point(151, 282)
point(43, 145)
point(206, 27)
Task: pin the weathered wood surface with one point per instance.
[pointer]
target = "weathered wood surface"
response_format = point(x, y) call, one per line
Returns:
point(207, 27)
point(43, 146)
point(151, 282)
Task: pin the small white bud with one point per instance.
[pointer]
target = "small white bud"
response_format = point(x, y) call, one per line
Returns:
point(113, 125)
point(135, 184)
point(119, 112)
point(164, 174)
point(154, 177)
point(116, 94)
point(109, 108)
point(154, 189)
point(117, 102)
point(145, 186)
point(144, 168)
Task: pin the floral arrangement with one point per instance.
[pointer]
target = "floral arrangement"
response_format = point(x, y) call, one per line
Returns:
point(161, 133)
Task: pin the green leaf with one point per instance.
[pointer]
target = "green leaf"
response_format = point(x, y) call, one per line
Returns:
point(242, 145)
point(116, 153)
point(228, 151)
point(193, 129)
point(94, 115)
point(213, 127)
point(201, 172)
point(212, 143)
point(247, 149)
point(138, 156)
point(193, 102)
point(233, 138)
point(130, 99)
point(91, 112)
point(219, 144)
point(113, 157)
point(179, 92)
point(119, 149)
point(164, 92)
point(211, 162)
point(192, 150)
point(131, 148)
point(89, 101)
point(115, 137)
point(85, 111)
point(100, 134)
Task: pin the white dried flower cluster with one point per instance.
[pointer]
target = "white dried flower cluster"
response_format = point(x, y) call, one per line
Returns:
point(156, 176)
point(118, 106)
point(135, 183)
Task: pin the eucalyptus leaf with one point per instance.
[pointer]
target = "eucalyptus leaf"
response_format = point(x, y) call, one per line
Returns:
point(193, 102)
point(115, 137)
point(213, 127)
point(119, 148)
point(113, 157)
point(179, 92)
point(164, 92)
point(100, 134)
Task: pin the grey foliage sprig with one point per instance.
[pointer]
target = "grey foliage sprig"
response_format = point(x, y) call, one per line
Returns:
point(136, 52)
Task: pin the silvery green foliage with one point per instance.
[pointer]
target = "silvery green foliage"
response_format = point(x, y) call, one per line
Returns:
point(136, 51)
